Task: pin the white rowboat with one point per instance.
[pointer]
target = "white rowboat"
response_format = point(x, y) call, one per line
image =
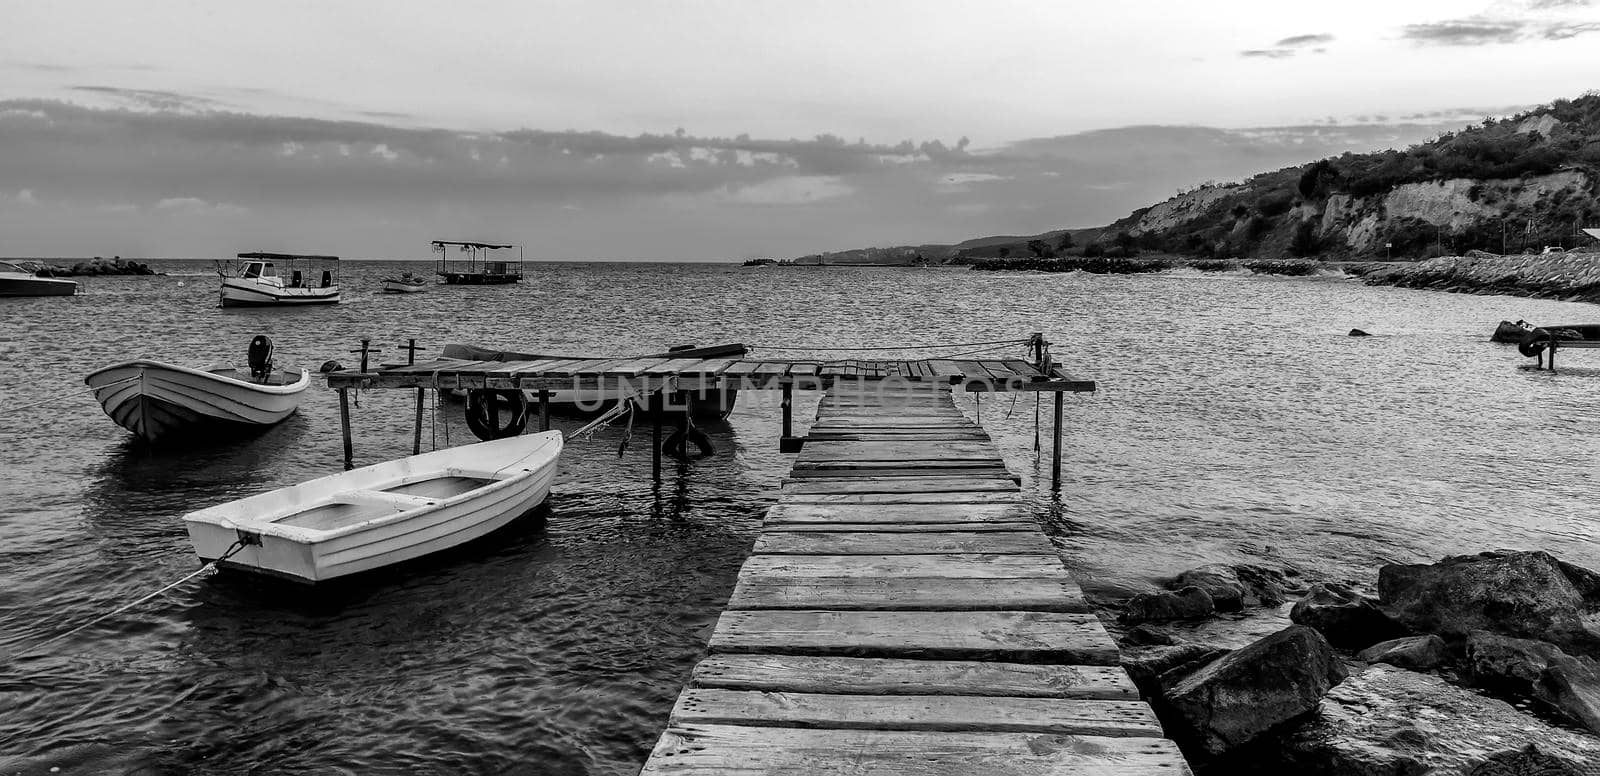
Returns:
point(380, 515)
point(155, 400)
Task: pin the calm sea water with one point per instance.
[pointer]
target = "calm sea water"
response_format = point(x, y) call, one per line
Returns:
point(1235, 422)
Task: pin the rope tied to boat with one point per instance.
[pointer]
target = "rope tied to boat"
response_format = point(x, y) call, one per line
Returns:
point(69, 394)
point(205, 569)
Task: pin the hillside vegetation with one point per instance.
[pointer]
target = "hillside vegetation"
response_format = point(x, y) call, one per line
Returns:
point(1508, 185)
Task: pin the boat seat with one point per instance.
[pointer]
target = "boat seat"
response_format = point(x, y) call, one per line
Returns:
point(378, 498)
point(484, 474)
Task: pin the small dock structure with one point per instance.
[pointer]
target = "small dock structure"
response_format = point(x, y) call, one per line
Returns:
point(902, 613)
point(668, 386)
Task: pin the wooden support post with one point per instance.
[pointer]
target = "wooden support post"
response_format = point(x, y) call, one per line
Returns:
point(1055, 455)
point(683, 431)
point(544, 409)
point(416, 436)
point(344, 424)
point(1552, 350)
point(789, 443)
point(655, 410)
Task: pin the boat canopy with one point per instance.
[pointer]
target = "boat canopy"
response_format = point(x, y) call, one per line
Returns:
point(491, 246)
point(287, 256)
point(1595, 233)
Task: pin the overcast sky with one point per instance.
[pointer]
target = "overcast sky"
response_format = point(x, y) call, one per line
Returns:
point(710, 130)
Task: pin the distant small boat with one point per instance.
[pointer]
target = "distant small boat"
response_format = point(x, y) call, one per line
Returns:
point(380, 515)
point(156, 400)
point(19, 281)
point(405, 284)
point(257, 281)
point(709, 404)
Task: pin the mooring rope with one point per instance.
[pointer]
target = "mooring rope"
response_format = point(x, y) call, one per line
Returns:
point(69, 394)
point(206, 569)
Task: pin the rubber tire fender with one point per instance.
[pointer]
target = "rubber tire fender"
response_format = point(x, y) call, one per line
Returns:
point(504, 401)
point(1534, 342)
point(677, 443)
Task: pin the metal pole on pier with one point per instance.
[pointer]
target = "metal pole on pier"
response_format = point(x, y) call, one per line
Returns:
point(1055, 455)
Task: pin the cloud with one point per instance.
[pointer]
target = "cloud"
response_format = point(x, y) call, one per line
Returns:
point(26, 197)
point(1466, 32)
point(1267, 53)
point(1540, 5)
point(788, 190)
point(375, 189)
point(1572, 30)
point(154, 100)
point(1294, 41)
point(197, 205)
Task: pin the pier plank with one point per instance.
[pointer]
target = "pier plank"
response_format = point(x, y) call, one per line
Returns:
point(969, 565)
point(788, 512)
point(885, 676)
point(727, 750)
point(1070, 716)
point(900, 527)
point(917, 485)
point(977, 497)
point(1031, 542)
point(1010, 636)
point(1036, 594)
point(635, 367)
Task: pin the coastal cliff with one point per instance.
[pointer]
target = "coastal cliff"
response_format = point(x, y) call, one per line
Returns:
point(1505, 186)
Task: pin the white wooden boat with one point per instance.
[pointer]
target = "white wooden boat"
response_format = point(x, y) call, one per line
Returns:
point(157, 400)
point(380, 515)
point(20, 281)
point(405, 284)
point(257, 281)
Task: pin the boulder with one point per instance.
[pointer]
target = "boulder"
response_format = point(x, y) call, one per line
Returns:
point(1265, 586)
point(1185, 604)
point(1522, 594)
point(1245, 693)
point(1417, 653)
point(1154, 668)
point(1534, 669)
point(1345, 617)
point(1388, 721)
point(1220, 581)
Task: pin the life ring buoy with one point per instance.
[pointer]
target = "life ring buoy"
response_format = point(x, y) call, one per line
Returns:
point(1534, 342)
point(509, 406)
point(677, 443)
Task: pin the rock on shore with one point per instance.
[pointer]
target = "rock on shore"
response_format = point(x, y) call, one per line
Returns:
point(1572, 276)
point(94, 267)
point(1388, 721)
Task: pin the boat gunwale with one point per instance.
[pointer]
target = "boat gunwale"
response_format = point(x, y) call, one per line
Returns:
point(226, 514)
point(143, 364)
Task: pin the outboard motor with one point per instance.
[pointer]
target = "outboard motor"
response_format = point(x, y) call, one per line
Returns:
point(261, 357)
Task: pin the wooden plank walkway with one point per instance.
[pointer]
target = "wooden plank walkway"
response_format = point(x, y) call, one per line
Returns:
point(902, 613)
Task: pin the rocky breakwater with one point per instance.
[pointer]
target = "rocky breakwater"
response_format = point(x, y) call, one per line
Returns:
point(1571, 276)
point(1481, 664)
point(93, 267)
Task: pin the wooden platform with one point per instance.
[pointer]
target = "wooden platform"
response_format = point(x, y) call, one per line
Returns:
point(902, 613)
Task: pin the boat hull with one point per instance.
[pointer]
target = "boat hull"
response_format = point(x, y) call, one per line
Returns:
point(399, 287)
point(243, 293)
point(22, 285)
point(159, 401)
point(338, 526)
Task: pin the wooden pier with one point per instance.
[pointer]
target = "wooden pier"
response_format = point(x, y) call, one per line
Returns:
point(902, 613)
point(656, 382)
